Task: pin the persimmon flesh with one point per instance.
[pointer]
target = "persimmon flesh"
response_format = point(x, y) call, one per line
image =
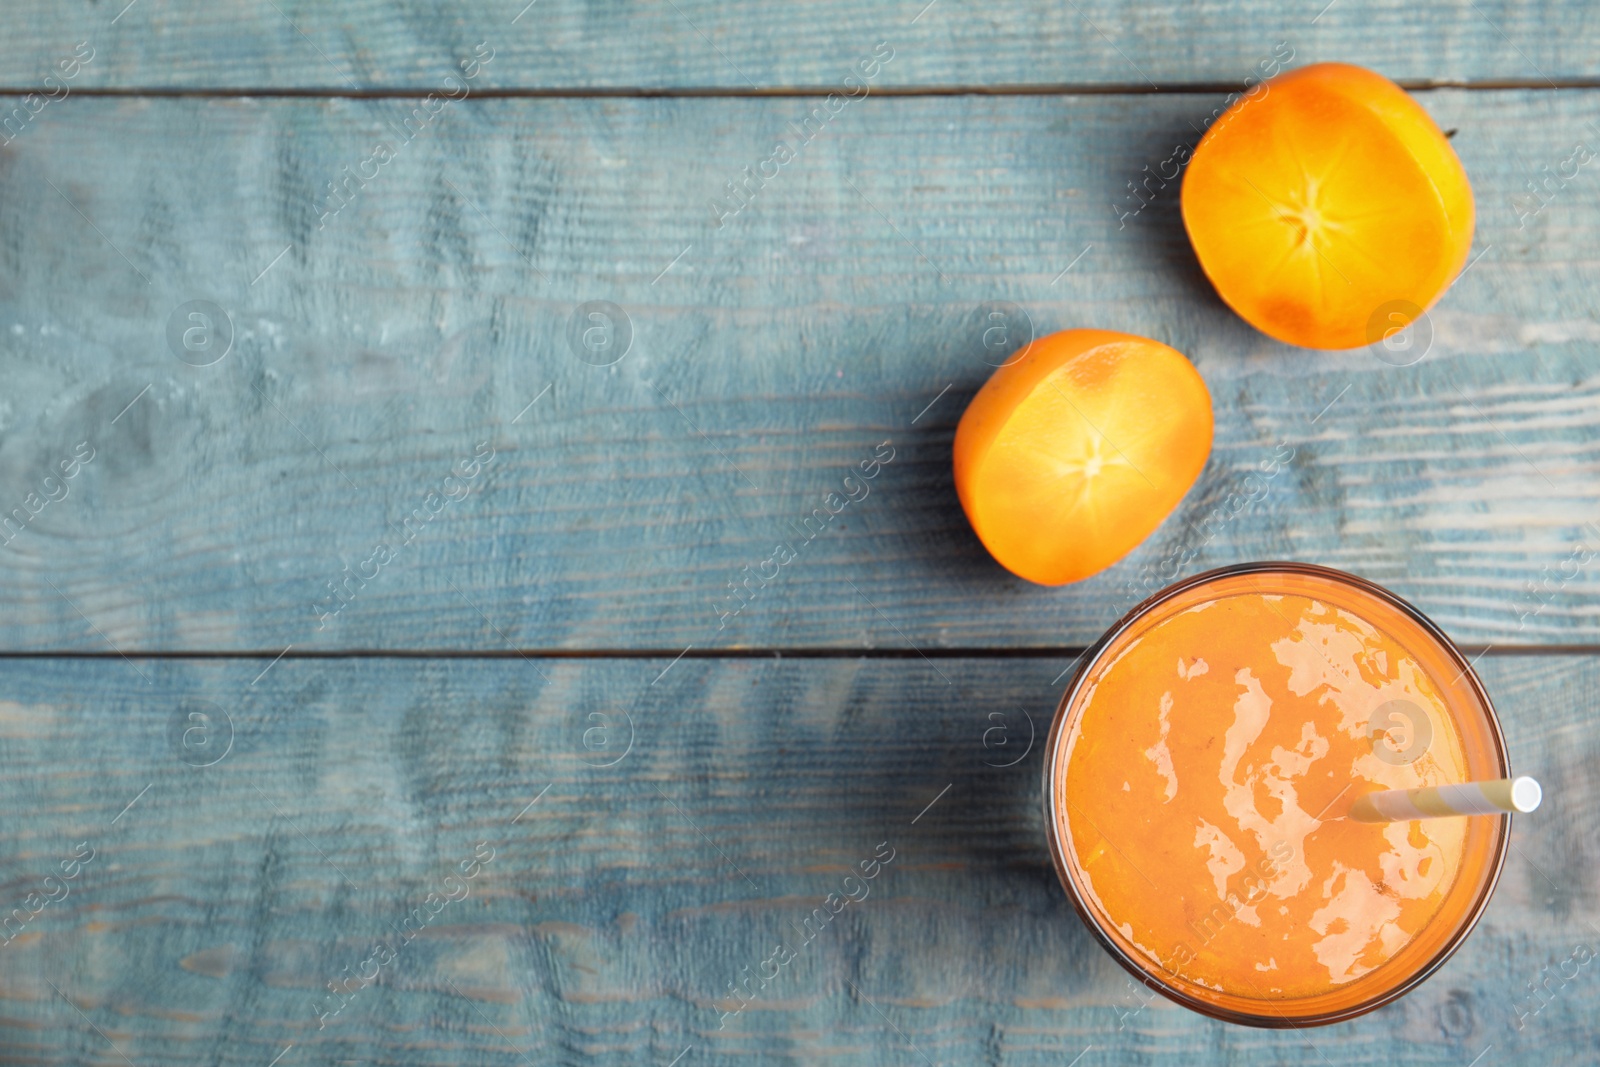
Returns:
point(1077, 448)
point(1327, 208)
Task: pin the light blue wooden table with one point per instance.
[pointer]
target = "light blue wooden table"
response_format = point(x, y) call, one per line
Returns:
point(387, 601)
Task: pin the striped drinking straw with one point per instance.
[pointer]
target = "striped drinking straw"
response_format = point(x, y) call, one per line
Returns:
point(1521, 794)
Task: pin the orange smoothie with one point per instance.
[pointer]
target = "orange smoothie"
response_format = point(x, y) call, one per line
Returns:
point(1200, 769)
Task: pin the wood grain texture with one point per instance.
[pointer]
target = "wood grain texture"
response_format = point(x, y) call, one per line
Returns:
point(568, 44)
point(655, 864)
point(770, 357)
point(658, 824)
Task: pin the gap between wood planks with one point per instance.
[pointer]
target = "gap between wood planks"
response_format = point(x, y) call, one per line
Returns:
point(1060, 89)
point(963, 652)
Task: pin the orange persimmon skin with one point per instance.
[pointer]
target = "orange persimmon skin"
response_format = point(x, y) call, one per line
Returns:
point(1077, 448)
point(1327, 208)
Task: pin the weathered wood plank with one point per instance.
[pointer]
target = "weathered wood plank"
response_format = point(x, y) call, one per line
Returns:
point(637, 871)
point(566, 44)
point(770, 357)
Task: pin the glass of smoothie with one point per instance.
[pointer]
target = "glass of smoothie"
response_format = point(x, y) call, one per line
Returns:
point(1199, 777)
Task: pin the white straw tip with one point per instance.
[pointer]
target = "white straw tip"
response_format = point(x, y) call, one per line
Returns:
point(1525, 794)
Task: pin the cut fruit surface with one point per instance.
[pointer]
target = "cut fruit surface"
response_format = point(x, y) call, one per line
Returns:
point(1327, 208)
point(1077, 448)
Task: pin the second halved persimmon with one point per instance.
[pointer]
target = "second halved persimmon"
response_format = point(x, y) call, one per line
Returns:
point(1077, 448)
point(1327, 208)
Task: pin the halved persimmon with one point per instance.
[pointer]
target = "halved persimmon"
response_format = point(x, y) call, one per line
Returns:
point(1327, 208)
point(1077, 448)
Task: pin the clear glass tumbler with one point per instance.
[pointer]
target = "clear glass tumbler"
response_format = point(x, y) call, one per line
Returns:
point(1195, 777)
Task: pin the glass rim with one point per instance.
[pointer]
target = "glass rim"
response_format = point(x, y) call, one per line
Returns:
point(1052, 779)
